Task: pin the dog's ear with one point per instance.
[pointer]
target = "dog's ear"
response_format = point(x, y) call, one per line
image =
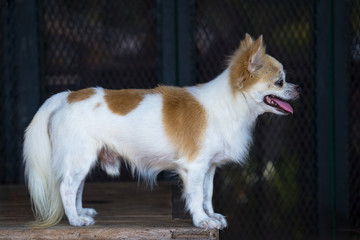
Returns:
point(256, 53)
point(248, 38)
point(246, 43)
point(246, 60)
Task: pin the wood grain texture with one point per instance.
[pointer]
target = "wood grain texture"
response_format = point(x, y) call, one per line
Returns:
point(126, 211)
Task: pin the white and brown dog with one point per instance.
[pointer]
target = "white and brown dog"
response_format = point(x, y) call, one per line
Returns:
point(189, 130)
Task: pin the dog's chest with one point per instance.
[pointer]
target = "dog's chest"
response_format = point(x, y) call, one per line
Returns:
point(231, 142)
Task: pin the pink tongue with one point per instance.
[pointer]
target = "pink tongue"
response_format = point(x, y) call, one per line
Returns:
point(284, 105)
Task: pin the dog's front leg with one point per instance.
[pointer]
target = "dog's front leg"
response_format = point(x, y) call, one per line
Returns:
point(208, 193)
point(194, 195)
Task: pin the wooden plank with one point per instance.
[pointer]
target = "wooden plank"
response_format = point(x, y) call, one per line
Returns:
point(126, 211)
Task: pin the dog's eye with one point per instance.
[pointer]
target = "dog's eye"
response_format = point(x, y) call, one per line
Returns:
point(279, 83)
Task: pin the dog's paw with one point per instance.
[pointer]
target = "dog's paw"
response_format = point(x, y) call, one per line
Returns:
point(82, 221)
point(220, 218)
point(87, 212)
point(208, 223)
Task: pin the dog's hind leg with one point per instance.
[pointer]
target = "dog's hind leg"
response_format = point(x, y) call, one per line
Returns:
point(84, 212)
point(77, 167)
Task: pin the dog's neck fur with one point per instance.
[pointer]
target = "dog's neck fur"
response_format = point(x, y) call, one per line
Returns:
point(233, 116)
point(217, 95)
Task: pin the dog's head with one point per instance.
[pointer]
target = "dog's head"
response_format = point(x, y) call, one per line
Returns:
point(261, 77)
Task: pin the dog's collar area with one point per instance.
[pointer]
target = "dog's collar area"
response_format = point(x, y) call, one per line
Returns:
point(278, 103)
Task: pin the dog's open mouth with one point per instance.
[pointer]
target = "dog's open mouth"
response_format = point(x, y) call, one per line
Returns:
point(278, 103)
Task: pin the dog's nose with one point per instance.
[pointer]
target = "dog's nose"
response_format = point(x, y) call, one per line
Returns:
point(298, 89)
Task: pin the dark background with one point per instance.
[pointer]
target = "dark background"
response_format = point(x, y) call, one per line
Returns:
point(302, 177)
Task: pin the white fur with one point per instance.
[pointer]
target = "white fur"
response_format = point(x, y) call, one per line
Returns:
point(63, 142)
point(39, 172)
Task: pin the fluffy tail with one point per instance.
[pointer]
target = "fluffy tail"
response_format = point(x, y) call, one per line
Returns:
point(42, 183)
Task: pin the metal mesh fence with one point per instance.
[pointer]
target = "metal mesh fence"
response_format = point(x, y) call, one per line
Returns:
point(112, 44)
point(8, 93)
point(354, 118)
point(274, 195)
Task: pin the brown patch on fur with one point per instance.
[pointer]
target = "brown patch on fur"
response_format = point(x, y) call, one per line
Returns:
point(77, 96)
point(246, 62)
point(184, 120)
point(124, 101)
point(97, 105)
point(271, 69)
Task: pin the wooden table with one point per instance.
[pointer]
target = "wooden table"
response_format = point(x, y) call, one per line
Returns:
point(126, 211)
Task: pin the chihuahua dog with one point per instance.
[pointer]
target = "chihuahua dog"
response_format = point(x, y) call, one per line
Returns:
point(190, 130)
